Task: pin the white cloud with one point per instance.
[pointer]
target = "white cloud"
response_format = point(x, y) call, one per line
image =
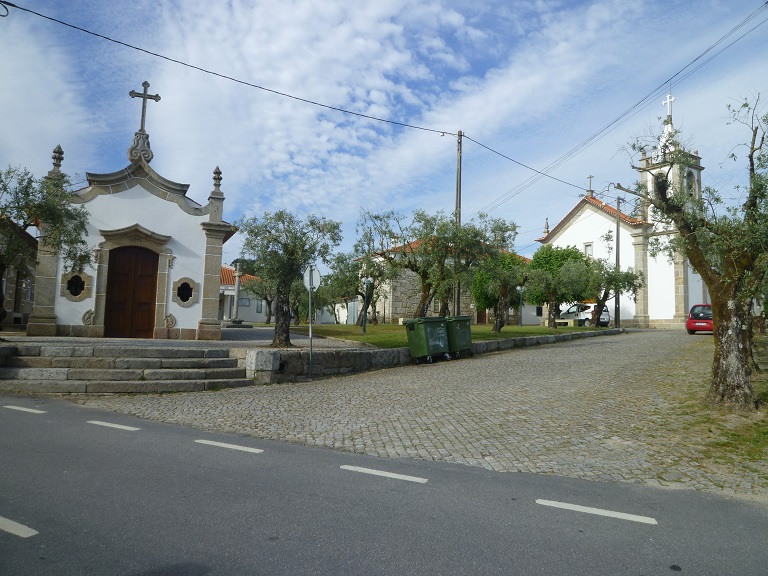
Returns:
point(529, 79)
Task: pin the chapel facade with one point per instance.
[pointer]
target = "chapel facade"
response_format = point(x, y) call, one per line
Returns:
point(156, 257)
point(670, 287)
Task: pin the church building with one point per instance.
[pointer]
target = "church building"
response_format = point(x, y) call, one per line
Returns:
point(156, 266)
point(670, 287)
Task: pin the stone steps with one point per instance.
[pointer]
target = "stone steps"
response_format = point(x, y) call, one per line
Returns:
point(95, 368)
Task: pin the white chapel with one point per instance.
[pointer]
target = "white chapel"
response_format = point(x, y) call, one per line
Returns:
point(156, 266)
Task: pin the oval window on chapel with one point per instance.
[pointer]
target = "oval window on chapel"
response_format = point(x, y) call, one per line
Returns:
point(75, 285)
point(184, 292)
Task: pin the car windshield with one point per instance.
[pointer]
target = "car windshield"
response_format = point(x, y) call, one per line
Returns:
point(702, 312)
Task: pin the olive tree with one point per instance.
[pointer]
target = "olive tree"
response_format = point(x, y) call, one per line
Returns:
point(43, 205)
point(727, 245)
point(282, 246)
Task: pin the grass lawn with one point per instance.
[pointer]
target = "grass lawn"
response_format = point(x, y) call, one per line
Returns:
point(394, 335)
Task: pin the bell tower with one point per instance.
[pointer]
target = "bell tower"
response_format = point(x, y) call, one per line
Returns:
point(670, 170)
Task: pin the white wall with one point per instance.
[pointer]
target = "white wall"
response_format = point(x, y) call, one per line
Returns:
point(137, 206)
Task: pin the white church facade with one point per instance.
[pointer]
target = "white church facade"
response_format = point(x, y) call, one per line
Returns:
point(670, 287)
point(156, 265)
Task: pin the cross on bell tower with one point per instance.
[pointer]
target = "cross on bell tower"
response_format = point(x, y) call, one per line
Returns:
point(140, 146)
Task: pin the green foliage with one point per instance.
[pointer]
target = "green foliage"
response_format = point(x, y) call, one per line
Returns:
point(556, 276)
point(436, 248)
point(28, 202)
point(495, 284)
point(282, 247)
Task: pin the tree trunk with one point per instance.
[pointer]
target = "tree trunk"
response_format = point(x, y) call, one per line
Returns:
point(268, 304)
point(551, 315)
point(424, 302)
point(500, 320)
point(730, 367)
point(282, 337)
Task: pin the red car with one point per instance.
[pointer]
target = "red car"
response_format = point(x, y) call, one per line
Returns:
point(699, 319)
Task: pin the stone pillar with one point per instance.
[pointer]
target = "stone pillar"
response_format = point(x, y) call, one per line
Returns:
point(681, 289)
point(640, 244)
point(209, 325)
point(42, 321)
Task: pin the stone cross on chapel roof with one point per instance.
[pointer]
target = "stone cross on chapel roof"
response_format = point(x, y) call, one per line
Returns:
point(140, 145)
point(144, 97)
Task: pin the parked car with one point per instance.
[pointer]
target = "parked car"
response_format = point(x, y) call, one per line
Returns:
point(583, 313)
point(699, 319)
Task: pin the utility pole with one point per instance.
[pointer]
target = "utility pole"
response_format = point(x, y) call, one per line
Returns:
point(457, 303)
point(617, 309)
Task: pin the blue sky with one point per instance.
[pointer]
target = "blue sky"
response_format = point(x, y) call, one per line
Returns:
point(529, 79)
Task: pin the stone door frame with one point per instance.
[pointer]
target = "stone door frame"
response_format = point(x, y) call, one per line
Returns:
point(135, 236)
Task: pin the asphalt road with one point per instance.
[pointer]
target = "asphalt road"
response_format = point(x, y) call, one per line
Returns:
point(80, 496)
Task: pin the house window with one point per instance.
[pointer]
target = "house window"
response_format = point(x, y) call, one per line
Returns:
point(588, 249)
point(245, 302)
point(259, 306)
point(539, 311)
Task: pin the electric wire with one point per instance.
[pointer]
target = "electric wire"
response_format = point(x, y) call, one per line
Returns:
point(632, 110)
point(642, 103)
point(5, 4)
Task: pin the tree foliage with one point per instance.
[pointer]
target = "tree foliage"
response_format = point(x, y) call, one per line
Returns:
point(282, 246)
point(44, 205)
point(495, 285)
point(435, 247)
point(556, 276)
point(606, 280)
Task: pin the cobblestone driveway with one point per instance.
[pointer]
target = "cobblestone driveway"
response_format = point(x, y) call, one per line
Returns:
point(598, 408)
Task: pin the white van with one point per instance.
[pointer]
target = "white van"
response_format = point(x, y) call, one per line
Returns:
point(583, 312)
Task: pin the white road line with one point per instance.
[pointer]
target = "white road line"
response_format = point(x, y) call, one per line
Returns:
point(21, 409)
point(16, 529)
point(230, 446)
point(598, 511)
point(385, 474)
point(110, 425)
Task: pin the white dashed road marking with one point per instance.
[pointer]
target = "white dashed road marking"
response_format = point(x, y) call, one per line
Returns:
point(385, 474)
point(598, 511)
point(110, 425)
point(16, 529)
point(22, 409)
point(230, 446)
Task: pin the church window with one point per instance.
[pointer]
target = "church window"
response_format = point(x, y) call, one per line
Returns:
point(660, 184)
point(76, 285)
point(184, 292)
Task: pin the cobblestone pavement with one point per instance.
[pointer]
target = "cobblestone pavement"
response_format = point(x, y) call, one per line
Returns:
point(609, 409)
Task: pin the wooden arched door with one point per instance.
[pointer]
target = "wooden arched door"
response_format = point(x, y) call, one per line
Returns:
point(131, 293)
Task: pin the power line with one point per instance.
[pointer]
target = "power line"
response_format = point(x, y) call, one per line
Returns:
point(6, 4)
point(632, 110)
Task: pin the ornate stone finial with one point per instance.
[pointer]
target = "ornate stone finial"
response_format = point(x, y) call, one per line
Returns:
point(58, 157)
point(546, 225)
point(217, 178)
point(140, 146)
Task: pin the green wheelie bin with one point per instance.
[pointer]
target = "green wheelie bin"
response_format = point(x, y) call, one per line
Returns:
point(427, 339)
point(459, 336)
